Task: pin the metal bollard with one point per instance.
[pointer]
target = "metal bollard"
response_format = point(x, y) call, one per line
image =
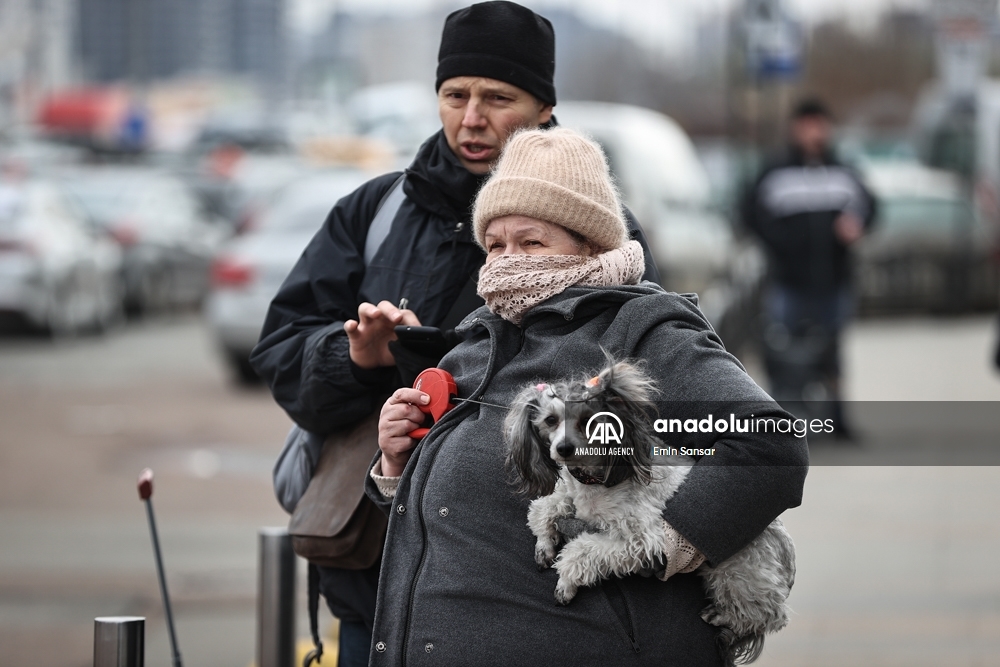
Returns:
point(275, 599)
point(119, 641)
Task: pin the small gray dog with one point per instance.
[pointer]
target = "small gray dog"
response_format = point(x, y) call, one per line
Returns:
point(606, 503)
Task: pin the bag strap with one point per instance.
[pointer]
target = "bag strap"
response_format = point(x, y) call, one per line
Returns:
point(378, 230)
point(317, 653)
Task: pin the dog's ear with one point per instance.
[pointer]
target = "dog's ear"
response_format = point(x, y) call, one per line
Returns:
point(628, 390)
point(638, 463)
point(641, 457)
point(622, 379)
point(627, 382)
point(534, 471)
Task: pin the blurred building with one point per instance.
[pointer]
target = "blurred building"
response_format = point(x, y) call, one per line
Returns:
point(593, 62)
point(145, 40)
point(35, 53)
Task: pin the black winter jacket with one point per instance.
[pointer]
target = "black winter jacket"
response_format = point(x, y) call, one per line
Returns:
point(427, 258)
point(792, 207)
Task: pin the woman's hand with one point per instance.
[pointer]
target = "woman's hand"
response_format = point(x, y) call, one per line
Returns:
point(399, 416)
point(369, 335)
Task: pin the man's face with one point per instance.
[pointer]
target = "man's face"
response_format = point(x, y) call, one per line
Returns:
point(811, 134)
point(479, 114)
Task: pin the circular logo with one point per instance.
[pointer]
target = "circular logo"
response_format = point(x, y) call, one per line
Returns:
point(603, 432)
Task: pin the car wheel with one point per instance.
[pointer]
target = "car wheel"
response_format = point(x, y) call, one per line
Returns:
point(152, 295)
point(59, 320)
point(111, 313)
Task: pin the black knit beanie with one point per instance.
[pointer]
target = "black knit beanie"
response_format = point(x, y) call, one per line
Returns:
point(500, 40)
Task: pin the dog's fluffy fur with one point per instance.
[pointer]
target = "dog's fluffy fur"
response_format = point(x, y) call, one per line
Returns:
point(617, 528)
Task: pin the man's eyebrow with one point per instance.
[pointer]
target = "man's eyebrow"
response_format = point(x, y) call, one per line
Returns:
point(452, 88)
point(497, 90)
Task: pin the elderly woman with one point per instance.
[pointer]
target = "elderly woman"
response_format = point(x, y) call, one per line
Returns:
point(459, 584)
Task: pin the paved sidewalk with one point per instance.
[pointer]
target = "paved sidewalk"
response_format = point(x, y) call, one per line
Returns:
point(896, 565)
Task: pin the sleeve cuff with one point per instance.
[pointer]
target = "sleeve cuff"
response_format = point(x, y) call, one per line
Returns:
point(681, 555)
point(372, 377)
point(386, 485)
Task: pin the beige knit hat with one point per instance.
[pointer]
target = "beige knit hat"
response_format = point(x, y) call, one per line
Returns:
point(555, 175)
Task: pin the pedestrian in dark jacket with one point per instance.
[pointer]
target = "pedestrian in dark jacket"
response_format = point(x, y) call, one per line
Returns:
point(459, 583)
point(808, 210)
point(495, 75)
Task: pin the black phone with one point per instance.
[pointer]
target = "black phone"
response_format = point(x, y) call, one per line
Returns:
point(428, 341)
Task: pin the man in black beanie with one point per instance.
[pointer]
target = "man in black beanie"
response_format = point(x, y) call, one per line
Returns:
point(398, 250)
point(494, 75)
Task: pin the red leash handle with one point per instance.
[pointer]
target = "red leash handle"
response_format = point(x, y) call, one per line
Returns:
point(440, 386)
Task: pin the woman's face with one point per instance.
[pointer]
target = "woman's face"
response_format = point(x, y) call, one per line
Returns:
point(521, 235)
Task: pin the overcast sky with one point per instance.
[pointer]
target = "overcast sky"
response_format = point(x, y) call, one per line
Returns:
point(643, 16)
point(664, 25)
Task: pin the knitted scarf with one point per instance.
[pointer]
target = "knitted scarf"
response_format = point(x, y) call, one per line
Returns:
point(513, 284)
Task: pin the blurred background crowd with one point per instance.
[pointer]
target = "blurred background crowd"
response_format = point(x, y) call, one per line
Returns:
point(164, 162)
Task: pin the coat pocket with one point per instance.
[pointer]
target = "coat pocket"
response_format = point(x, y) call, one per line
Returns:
point(614, 595)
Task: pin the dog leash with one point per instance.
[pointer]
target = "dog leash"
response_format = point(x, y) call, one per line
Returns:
point(440, 386)
point(494, 405)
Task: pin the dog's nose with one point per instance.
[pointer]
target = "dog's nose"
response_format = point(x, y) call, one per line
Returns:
point(565, 450)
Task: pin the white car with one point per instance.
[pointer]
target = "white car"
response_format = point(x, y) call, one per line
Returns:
point(665, 185)
point(250, 268)
point(55, 273)
point(167, 241)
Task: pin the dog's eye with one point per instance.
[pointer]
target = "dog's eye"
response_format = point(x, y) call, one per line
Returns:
point(552, 420)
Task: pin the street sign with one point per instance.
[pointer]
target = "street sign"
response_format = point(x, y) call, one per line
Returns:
point(963, 27)
point(773, 40)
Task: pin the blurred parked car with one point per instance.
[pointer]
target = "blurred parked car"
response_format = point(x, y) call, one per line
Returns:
point(21, 152)
point(250, 129)
point(250, 268)
point(167, 240)
point(929, 250)
point(54, 272)
point(234, 184)
point(403, 113)
point(667, 188)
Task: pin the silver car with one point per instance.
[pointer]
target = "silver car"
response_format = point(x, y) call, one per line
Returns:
point(250, 268)
point(55, 274)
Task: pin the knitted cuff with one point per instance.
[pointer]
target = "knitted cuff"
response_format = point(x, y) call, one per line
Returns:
point(386, 485)
point(681, 555)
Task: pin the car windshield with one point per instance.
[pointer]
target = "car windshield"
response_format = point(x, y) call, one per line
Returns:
point(304, 206)
point(922, 214)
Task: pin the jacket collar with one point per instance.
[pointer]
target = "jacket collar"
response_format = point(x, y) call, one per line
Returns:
point(568, 302)
point(573, 299)
point(797, 157)
point(437, 181)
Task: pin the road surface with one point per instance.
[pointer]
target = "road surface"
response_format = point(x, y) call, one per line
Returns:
point(896, 565)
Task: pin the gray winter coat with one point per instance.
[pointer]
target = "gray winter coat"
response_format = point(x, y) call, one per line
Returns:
point(459, 585)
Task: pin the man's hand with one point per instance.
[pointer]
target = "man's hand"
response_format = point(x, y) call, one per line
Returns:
point(399, 416)
point(848, 228)
point(369, 335)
